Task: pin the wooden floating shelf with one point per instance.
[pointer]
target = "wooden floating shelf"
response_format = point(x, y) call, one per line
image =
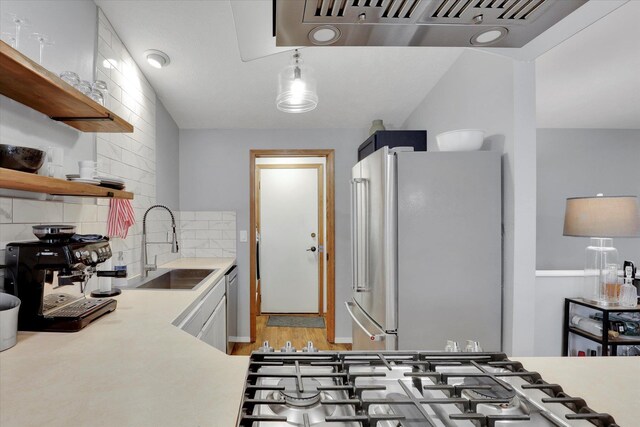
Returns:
point(34, 86)
point(15, 180)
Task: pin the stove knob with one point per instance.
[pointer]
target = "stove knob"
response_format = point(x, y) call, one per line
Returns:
point(94, 256)
point(288, 348)
point(310, 348)
point(266, 348)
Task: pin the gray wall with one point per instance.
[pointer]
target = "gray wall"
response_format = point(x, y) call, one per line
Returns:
point(167, 158)
point(72, 24)
point(582, 162)
point(495, 93)
point(214, 175)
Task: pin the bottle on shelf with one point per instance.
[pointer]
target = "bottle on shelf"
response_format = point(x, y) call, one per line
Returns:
point(628, 292)
point(588, 325)
point(120, 265)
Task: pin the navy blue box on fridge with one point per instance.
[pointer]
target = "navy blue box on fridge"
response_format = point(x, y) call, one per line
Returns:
point(393, 138)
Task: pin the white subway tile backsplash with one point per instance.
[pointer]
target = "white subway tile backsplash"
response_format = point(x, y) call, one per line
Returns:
point(187, 215)
point(216, 216)
point(15, 233)
point(102, 213)
point(93, 228)
point(222, 225)
point(188, 253)
point(195, 244)
point(227, 244)
point(6, 210)
point(80, 213)
point(36, 211)
point(187, 234)
point(207, 233)
point(193, 225)
point(108, 149)
point(208, 253)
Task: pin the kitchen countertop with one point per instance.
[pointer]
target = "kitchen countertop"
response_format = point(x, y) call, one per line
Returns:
point(134, 368)
point(131, 367)
point(608, 384)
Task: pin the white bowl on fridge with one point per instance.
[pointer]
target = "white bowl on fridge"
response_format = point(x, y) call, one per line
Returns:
point(460, 140)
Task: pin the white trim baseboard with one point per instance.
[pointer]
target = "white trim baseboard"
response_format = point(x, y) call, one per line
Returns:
point(343, 340)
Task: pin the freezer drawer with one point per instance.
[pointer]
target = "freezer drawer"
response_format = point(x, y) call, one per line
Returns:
point(366, 334)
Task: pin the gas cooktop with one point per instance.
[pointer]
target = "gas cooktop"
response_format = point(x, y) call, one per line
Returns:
point(408, 389)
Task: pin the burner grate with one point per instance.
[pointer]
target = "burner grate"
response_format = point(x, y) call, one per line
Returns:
point(354, 377)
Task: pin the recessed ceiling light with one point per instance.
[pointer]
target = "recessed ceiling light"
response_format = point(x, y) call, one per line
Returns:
point(156, 58)
point(489, 36)
point(324, 35)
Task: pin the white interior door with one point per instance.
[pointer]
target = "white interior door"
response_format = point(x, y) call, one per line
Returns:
point(289, 228)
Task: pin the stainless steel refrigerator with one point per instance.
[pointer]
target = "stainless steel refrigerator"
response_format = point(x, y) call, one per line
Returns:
point(426, 250)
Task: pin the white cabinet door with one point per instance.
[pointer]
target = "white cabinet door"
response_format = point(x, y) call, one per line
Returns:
point(214, 331)
point(194, 322)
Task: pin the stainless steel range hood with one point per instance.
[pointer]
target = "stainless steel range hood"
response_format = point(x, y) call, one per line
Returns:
point(490, 23)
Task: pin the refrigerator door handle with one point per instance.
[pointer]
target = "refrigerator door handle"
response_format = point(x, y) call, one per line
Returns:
point(372, 337)
point(360, 234)
point(354, 236)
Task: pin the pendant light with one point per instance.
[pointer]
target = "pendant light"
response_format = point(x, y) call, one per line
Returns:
point(296, 88)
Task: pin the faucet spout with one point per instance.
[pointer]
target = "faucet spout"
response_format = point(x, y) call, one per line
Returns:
point(174, 240)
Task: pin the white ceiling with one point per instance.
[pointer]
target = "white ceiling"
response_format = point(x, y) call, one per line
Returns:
point(592, 80)
point(207, 85)
point(588, 81)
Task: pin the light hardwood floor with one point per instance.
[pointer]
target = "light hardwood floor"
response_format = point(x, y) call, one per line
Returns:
point(277, 336)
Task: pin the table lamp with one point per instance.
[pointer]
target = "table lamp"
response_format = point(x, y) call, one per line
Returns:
point(601, 218)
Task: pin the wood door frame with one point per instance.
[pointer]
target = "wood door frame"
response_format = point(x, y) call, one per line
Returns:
point(320, 230)
point(329, 249)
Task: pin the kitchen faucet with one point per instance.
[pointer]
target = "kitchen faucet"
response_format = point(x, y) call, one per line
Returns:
point(146, 268)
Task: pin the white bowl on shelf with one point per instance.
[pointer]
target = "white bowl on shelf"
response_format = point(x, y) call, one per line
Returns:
point(460, 140)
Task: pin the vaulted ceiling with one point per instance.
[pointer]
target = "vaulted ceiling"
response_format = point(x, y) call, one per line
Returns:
point(207, 85)
point(587, 81)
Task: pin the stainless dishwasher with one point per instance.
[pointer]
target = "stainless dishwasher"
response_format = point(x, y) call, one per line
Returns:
point(231, 281)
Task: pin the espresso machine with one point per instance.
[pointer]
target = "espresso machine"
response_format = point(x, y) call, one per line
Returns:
point(50, 277)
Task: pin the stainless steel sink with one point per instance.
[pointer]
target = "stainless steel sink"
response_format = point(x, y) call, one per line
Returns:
point(177, 279)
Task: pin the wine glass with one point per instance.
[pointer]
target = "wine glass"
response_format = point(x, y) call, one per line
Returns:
point(10, 38)
point(19, 23)
point(43, 40)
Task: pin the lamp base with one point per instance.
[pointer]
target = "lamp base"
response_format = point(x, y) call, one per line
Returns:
point(601, 273)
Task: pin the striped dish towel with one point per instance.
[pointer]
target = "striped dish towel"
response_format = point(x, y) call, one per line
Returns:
point(121, 217)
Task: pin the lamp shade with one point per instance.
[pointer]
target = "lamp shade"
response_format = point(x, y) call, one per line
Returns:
point(612, 216)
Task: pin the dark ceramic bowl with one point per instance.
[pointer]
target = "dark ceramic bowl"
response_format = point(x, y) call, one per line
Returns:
point(22, 159)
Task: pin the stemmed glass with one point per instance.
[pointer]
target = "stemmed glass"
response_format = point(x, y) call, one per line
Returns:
point(19, 23)
point(43, 40)
point(9, 38)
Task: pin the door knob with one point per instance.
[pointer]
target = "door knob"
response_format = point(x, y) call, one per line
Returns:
point(312, 249)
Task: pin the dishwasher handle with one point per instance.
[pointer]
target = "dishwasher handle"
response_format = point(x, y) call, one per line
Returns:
point(372, 337)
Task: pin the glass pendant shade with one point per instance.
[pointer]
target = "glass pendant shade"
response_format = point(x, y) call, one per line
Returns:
point(296, 88)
